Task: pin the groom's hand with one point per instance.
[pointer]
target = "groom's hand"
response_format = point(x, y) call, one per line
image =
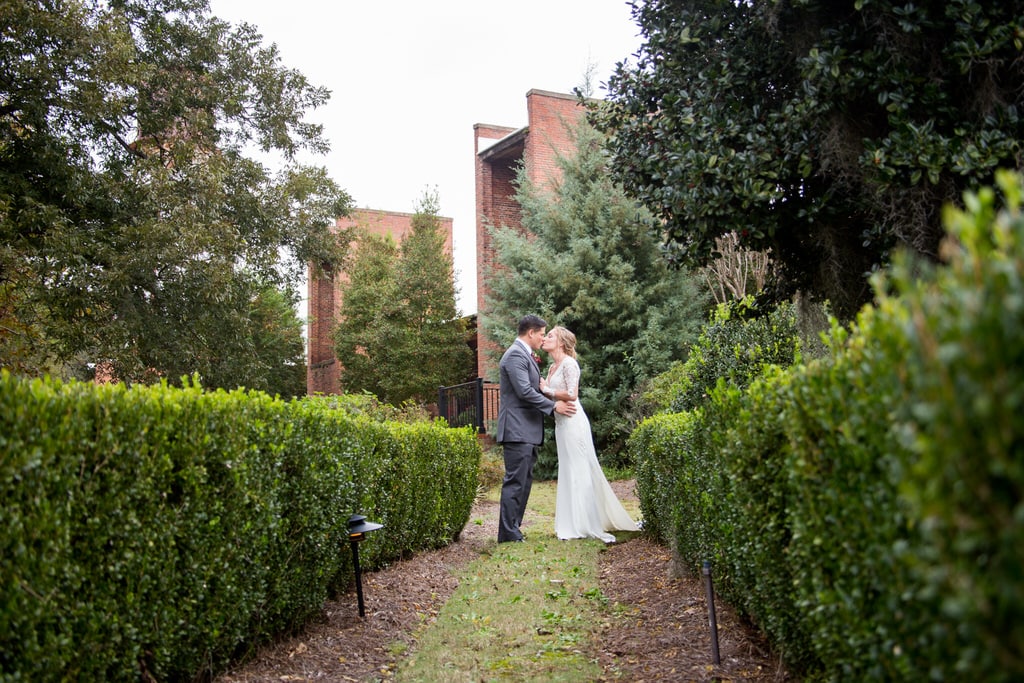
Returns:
point(565, 407)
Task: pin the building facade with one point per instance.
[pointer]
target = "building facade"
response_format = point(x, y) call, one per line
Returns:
point(500, 151)
point(324, 304)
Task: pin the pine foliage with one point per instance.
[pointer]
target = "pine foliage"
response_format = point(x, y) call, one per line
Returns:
point(588, 258)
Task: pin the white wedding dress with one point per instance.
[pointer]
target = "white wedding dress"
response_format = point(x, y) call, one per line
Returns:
point(585, 505)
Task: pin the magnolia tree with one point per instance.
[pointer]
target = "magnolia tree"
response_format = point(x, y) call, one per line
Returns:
point(827, 131)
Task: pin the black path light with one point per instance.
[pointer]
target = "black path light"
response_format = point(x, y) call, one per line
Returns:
point(712, 620)
point(358, 527)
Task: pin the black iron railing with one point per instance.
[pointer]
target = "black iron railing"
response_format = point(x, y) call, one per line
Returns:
point(472, 403)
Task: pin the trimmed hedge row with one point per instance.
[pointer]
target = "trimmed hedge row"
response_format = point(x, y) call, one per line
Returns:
point(867, 509)
point(157, 533)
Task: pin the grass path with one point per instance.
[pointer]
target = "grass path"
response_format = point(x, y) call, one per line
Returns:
point(544, 610)
point(523, 611)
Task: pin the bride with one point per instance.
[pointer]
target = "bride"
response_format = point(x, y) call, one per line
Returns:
point(585, 505)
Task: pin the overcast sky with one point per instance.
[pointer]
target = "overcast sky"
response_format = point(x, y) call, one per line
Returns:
point(410, 78)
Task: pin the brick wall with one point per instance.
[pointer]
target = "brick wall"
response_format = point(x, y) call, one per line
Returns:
point(498, 152)
point(551, 117)
point(324, 305)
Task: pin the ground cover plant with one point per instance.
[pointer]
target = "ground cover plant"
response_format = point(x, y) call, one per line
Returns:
point(526, 611)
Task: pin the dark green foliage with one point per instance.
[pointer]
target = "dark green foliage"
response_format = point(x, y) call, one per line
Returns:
point(266, 354)
point(848, 522)
point(865, 508)
point(398, 334)
point(672, 483)
point(278, 344)
point(829, 131)
point(134, 231)
point(734, 347)
point(588, 260)
point(156, 533)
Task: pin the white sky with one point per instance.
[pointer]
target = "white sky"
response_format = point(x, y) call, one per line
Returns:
point(410, 78)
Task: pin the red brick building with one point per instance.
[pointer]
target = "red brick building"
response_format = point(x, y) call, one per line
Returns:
point(499, 152)
point(322, 373)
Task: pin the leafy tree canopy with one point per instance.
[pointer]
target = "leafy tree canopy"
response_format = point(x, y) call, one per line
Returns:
point(829, 131)
point(134, 230)
point(399, 335)
point(274, 360)
point(588, 259)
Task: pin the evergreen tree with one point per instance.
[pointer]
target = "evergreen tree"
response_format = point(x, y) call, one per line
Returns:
point(399, 335)
point(278, 345)
point(366, 329)
point(588, 258)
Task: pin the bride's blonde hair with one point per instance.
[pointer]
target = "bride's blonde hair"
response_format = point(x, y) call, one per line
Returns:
point(567, 340)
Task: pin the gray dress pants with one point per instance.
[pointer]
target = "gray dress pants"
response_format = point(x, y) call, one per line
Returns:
point(515, 488)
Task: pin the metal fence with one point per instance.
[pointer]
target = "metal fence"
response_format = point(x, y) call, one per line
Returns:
point(473, 403)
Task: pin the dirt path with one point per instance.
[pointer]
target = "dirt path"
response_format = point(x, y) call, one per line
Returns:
point(661, 633)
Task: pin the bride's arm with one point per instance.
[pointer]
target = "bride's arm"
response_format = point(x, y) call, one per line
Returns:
point(571, 372)
point(557, 395)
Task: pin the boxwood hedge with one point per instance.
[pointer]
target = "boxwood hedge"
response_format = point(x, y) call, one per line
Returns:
point(866, 509)
point(157, 533)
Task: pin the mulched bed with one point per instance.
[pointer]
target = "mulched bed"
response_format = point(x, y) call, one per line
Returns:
point(665, 634)
point(662, 632)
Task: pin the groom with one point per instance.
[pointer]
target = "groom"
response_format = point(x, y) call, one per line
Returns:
point(521, 423)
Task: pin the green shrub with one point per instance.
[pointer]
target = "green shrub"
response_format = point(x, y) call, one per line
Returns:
point(657, 394)
point(956, 336)
point(750, 451)
point(368, 405)
point(869, 505)
point(492, 468)
point(662, 451)
point(848, 523)
point(734, 347)
point(159, 532)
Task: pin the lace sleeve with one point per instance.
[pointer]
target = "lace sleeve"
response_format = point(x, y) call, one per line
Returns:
point(571, 370)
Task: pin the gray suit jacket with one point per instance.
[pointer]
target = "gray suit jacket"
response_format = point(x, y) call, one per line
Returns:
point(522, 408)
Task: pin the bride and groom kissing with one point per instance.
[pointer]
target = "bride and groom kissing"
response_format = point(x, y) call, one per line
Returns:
point(585, 505)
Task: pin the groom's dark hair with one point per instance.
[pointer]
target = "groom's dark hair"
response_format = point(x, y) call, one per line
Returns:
point(530, 322)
